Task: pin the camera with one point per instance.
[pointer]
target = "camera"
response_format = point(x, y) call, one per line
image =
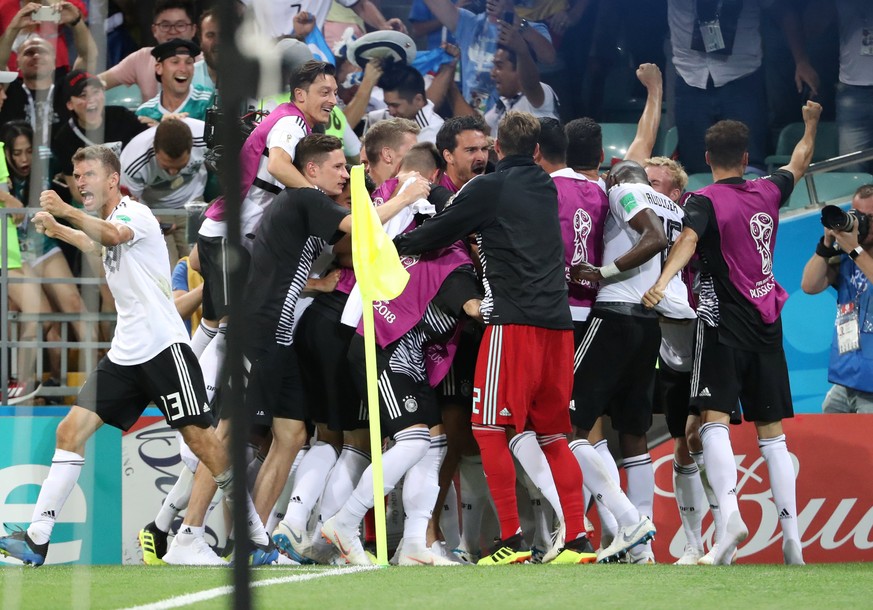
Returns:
point(837, 219)
point(46, 13)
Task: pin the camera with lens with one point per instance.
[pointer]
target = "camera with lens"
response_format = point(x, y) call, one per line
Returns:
point(838, 219)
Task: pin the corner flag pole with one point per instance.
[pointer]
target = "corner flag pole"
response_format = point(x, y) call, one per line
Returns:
point(380, 277)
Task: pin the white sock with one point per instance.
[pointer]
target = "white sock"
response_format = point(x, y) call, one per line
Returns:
point(721, 468)
point(203, 336)
point(604, 488)
point(176, 501)
point(309, 484)
point(474, 499)
point(691, 502)
point(63, 474)
point(187, 534)
point(782, 484)
point(253, 469)
point(281, 505)
point(602, 449)
point(212, 359)
point(257, 533)
point(410, 446)
point(718, 522)
point(450, 524)
point(527, 451)
point(542, 513)
point(640, 483)
point(420, 490)
point(346, 473)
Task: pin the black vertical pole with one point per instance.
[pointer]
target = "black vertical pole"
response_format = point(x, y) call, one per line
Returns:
point(236, 80)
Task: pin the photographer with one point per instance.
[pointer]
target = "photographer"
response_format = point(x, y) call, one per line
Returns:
point(843, 260)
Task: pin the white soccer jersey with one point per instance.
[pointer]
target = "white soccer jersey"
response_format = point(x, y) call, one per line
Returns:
point(277, 18)
point(549, 108)
point(285, 134)
point(625, 202)
point(150, 184)
point(427, 120)
point(138, 274)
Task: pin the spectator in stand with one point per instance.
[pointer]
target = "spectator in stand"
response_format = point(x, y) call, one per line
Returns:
point(206, 69)
point(424, 23)
point(11, 9)
point(855, 90)
point(477, 36)
point(178, 95)
point(32, 96)
point(517, 80)
point(172, 19)
point(717, 55)
point(91, 122)
point(404, 94)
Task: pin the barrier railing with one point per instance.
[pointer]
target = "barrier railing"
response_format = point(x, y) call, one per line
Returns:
point(12, 321)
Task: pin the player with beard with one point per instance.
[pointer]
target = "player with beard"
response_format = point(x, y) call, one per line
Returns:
point(463, 146)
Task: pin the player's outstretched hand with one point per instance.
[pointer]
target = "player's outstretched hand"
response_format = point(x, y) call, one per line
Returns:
point(811, 112)
point(585, 272)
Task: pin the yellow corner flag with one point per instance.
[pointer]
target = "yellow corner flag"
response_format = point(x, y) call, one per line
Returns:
point(381, 277)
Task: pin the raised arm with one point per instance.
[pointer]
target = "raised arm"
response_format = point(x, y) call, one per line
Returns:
point(86, 47)
point(528, 73)
point(647, 129)
point(96, 229)
point(22, 19)
point(445, 11)
point(373, 17)
point(357, 108)
point(802, 154)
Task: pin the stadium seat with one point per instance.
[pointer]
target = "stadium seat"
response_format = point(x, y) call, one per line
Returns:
point(616, 139)
point(128, 96)
point(826, 145)
point(829, 187)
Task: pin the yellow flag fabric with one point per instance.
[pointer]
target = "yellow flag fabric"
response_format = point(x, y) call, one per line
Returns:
point(378, 270)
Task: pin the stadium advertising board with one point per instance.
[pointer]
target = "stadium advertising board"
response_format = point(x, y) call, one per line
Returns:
point(88, 529)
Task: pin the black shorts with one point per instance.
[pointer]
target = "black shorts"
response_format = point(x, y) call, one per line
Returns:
point(274, 387)
point(172, 380)
point(322, 343)
point(614, 371)
point(223, 268)
point(724, 374)
point(403, 400)
point(457, 386)
point(672, 389)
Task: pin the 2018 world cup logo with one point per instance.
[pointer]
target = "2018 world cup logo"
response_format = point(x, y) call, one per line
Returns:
point(581, 230)
point(761, 228)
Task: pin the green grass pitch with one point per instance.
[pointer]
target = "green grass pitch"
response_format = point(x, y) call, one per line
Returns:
point(529, 586)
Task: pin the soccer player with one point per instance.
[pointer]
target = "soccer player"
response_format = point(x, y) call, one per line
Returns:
point(463, 146)
point(292, 236)
point(732, 225)
point(524, 373)
point(150, 359)
point(386, 142)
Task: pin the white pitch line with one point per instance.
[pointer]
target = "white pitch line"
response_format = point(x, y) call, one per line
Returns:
point(202, 596)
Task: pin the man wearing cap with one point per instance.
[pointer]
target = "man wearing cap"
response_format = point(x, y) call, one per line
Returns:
point(91, 122)
point(175, 71)
point(172, 19)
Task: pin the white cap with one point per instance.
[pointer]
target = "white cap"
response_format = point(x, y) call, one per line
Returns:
point(7, 77)
point(381, 45)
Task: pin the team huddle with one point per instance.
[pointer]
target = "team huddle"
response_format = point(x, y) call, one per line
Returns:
point(542, 297)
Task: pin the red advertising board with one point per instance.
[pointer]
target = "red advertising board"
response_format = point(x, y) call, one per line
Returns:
point(833, 458)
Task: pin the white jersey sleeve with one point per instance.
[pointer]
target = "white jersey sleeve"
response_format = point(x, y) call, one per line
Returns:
point(625, 202)
point(286, 133)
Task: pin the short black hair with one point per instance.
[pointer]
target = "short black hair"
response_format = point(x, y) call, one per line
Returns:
point(584, 143)
point(405, 80)
point(553, 140)
point(185, 5)
point(447, 136)
point(629, 172)
point(173, 137)
point(307, 74)
point(315, 147)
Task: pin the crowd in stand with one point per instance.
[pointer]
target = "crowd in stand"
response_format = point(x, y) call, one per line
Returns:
point(424, 119)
